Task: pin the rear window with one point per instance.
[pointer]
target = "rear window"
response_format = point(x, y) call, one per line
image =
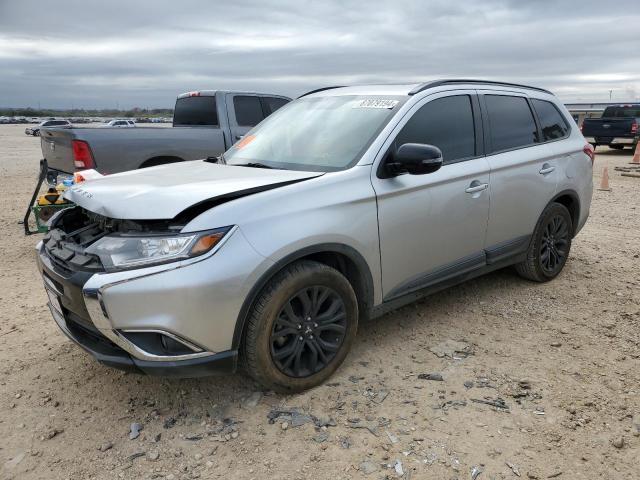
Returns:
point(630, 111)
point(248, 110)
point(198, 111)
point(511, 121)
point(552, 123)
point(53, 123)
point(274, 103)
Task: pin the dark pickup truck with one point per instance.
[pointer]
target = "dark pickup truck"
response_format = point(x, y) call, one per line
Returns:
point(205, 124)
point(618, 127)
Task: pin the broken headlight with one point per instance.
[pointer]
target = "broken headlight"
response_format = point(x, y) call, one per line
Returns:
point(123, 252)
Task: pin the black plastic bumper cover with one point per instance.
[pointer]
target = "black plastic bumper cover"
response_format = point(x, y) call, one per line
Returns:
point(113, 356)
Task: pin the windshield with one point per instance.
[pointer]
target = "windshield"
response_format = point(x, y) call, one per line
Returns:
point(630, 111)
point(317, 134)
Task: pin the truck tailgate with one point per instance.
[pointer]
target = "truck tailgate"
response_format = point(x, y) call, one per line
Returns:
point(607, 127)
point(56, 148)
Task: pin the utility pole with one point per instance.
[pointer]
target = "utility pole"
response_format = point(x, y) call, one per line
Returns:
point(610, 94)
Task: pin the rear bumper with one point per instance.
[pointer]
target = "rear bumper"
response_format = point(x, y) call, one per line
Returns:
point(612, 140)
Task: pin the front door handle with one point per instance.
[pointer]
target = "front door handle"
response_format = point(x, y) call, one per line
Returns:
point(546, 168)
point(476, 187)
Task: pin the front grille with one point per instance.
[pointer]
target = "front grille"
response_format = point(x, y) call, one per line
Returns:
point(66, 243)
point(92, 338)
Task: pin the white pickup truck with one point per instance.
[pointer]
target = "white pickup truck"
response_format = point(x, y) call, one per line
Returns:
point(205, 124)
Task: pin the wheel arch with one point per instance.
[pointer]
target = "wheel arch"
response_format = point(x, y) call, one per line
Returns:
point(160, 160)
point(571, 200)
point(344, 258)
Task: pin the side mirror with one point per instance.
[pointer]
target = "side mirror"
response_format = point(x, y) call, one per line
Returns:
point(414, 159)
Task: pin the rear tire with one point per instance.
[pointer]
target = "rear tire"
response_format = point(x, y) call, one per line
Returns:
point(301, 327)
point(550, 245)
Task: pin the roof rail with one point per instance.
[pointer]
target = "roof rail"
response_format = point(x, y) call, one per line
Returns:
point(436, 83)
point(320, 90)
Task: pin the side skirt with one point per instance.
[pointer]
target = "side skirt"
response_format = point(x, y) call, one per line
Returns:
point(497, 257)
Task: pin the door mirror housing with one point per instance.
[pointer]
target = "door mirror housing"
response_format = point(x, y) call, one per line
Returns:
point(414, 159)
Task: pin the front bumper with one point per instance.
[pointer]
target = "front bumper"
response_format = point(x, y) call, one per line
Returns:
point(111, 355)
point(196, 302)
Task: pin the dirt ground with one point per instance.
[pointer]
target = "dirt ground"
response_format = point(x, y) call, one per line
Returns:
point(557, 364)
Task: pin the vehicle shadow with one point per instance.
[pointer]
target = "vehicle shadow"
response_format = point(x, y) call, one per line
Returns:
point(624, 152)
point(209, 396)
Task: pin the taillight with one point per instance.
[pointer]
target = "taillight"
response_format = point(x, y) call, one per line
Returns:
point(634, 127)
point(589, 150)
point(82, 157)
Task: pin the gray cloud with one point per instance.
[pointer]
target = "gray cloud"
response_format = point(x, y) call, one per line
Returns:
point(142, 53)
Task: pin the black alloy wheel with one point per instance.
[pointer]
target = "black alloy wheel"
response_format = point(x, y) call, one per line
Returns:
point(308, 332)
point(300, 328)
point(550, 245)
point(553, 247)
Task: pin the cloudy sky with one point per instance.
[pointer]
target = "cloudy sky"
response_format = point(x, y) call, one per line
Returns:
point(110, 53)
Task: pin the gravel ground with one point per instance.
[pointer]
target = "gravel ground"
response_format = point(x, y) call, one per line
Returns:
point(538, 380)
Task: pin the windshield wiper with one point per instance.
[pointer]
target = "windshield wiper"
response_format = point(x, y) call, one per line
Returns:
point(252, 164)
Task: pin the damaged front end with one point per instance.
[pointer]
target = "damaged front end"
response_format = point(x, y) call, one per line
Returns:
point(83, 240)
point(88, 263)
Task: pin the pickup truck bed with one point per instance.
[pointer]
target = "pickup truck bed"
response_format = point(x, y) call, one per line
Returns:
point(205, 125)
point(116, 150)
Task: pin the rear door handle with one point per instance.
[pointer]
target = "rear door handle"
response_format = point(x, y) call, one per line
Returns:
point(546, 168)
point(476, 187)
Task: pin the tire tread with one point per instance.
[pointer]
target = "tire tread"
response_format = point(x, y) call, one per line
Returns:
point(249, 355)
point(528, 268)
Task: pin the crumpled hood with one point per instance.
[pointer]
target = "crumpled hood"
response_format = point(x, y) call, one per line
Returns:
point(162, 192)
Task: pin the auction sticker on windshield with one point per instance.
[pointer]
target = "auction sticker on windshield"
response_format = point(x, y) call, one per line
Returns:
point(376, 103)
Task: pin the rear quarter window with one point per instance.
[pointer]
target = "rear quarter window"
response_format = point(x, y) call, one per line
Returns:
point(511, 122)
point(552, 123)
point(196, 111)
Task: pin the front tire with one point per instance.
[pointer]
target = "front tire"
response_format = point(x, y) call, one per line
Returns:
point(301, 327)
point(550, 245)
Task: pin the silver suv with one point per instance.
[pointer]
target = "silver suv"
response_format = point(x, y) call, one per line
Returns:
point(342, 205)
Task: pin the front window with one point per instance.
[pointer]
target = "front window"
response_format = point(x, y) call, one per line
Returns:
point(317, 134)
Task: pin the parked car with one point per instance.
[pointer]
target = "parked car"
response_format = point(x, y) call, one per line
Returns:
point(617, 128)
point(341, 206)
point(205, 124)
point(120, 124)
point(35, 131)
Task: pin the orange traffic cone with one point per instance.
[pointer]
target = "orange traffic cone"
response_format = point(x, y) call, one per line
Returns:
point(604, 184)
point(636, 156)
